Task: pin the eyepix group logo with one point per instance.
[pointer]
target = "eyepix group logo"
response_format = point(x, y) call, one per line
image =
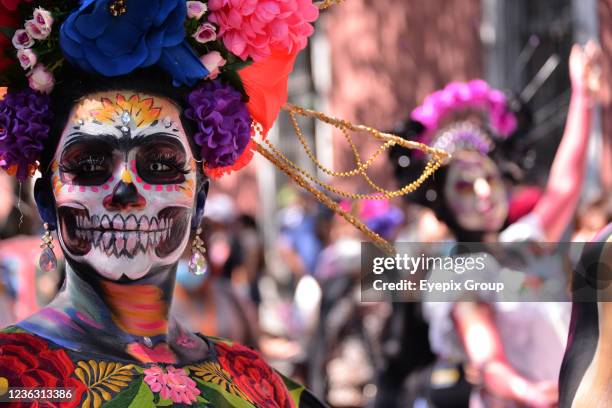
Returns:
point(4, 386)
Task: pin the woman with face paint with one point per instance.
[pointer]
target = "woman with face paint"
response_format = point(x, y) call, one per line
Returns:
point(511, 350)
point(112, 103)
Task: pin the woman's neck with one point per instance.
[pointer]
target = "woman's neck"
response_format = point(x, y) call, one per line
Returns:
point(128, 319)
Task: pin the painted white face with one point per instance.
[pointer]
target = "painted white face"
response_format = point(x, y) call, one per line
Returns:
point(475, 192)
point(124, 180)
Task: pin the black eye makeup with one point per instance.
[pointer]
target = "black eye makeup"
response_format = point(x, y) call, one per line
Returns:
point(162, 160)
point(87, 163)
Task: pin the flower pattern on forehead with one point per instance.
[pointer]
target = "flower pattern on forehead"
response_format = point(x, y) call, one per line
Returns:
point(140, 110)
point(220, 49)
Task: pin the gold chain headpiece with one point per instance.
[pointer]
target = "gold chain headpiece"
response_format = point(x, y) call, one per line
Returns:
point(437, 157)
point(322, 5)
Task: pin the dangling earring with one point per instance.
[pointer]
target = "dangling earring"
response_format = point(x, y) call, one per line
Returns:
point(197, 263)
point(47, 261)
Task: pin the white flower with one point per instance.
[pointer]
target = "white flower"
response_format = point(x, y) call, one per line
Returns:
point(40, 26)
point(40, 79)
point(196, 9)
point(206, 32)
point(27, 58)
point(213, 61)
point(22, 40)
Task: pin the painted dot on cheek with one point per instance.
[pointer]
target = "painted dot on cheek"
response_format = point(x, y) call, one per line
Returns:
point(177, 187)
point(70, 188)
point(138, 180)
point(106, 187)
point(82, 189)
point(168, 188)
point(159, 188)
point(95, 189)
point(146, 186)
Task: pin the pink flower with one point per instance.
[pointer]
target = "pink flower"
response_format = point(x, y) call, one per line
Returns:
point(174, 384)
point(22, 40)
point(252, 28)
point(27, 58)
point(213, 61)
point(206, 32)
point(39, 27)
point(41, 80)
point(196, 9)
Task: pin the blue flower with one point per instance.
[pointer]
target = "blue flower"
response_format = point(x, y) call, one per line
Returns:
point(147, 33)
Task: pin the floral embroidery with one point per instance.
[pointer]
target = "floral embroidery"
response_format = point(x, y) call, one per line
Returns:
point(212, 372)
point(254, 376)
point(27, 361)
point(174, 384)
point(238, 375)
point(102, 378)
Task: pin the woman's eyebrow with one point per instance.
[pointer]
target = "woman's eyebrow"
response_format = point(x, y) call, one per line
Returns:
point(83, 137)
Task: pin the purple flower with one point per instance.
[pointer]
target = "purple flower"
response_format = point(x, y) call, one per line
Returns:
point(223, 123)
point(25, 120)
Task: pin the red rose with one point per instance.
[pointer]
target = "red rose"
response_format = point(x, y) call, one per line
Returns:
point(254, 376)
point(27, 361)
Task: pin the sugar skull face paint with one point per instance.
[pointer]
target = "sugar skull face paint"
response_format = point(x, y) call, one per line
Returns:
point(475, 192)
point(124, 183)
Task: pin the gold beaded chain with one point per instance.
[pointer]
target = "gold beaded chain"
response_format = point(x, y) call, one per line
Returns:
point(379, 241)
point(322, 5)
point(308, 181)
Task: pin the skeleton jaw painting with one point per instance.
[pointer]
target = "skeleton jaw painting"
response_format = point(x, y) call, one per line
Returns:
point(124, 184)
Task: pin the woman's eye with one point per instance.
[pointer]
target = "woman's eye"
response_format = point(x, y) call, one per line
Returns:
point(463, 187)
point(92, 167)
point(159, 167)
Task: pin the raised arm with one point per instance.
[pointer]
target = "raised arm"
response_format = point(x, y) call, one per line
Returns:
point(558, 203)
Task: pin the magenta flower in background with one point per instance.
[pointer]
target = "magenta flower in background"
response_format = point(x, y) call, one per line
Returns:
point(252, 28)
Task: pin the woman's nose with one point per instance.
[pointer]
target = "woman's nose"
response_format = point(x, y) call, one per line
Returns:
point(125, 195)
point(482, 188)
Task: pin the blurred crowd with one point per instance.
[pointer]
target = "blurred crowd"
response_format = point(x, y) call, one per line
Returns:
point(307, 317)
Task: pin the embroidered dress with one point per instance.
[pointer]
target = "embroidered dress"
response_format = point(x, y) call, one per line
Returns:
point(232, 376)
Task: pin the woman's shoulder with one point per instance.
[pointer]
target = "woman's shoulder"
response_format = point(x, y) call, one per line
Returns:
point(266, 386)
point(233, 375)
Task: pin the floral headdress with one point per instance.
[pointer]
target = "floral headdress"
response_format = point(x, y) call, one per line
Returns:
point(445, 117)
point(234, 55)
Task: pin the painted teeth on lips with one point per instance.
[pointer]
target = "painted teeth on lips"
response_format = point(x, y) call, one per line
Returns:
point(121, 223)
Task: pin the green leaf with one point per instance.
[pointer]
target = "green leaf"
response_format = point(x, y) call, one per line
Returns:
point(163, 402)
point(124, 398)
point(144, 398)
point(219, 398)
